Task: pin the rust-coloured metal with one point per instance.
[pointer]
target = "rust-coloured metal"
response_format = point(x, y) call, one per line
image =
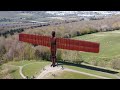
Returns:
point(69, 44)
point(60, 43)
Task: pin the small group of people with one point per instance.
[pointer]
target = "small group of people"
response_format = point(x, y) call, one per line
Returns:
point(44, 69)
point(62, 67)
point(53, 75)
point(31, 77)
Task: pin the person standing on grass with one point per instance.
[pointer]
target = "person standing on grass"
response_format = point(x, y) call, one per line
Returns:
point(26, 77)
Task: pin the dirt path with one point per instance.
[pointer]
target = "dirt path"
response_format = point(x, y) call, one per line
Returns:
point(20, 69)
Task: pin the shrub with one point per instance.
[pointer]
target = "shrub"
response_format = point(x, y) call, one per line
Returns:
point(116, 64)
point(78, 33)
point(2, 50)
point(71, 56)
point(59, 55)
point(102, 63)
point(37, 54)
point(42, 52)
point(28, 52)
point(66, 36)
point(73, 33)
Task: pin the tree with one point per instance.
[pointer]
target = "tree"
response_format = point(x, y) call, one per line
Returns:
point(2, 50)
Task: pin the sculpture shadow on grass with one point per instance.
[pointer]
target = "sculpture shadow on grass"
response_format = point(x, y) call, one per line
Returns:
point(88, 67)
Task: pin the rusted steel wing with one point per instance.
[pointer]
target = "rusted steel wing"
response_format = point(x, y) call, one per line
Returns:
point(62, 43)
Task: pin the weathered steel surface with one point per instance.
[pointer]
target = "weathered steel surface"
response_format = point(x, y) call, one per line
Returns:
point(35, 39)
point(62, 43)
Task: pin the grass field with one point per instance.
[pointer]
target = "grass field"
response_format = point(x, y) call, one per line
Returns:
point(16, 74)
point(109, 44)
point(21, 63)
point(9, 72)
point(31, 68)
point(109, 47)
point(68, 75)
point(34, 68)
point(95, 72)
